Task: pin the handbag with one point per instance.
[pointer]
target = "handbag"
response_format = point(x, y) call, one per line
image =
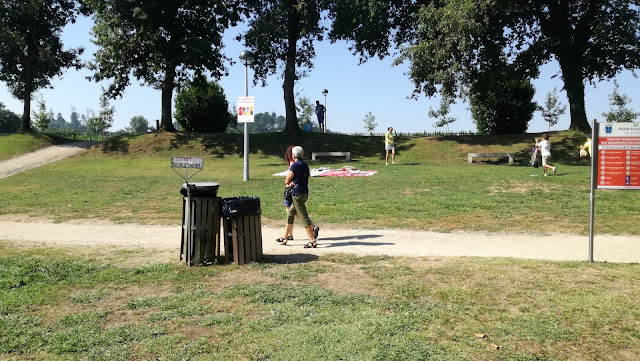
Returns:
point(287, 194)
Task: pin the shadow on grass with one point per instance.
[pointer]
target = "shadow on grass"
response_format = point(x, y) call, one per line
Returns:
point(290, 258)
point(118, 144)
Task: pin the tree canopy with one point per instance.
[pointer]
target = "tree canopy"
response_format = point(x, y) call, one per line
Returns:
point(161, 43)
point(592, 39)
point(31, 51)
point(282, 34)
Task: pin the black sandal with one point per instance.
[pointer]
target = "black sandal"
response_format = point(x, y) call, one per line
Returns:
point(313, 244)
point(290, 238)
point(282, 240)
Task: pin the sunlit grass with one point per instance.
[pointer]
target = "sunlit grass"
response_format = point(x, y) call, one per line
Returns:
point(130, 180)
point(336, 307)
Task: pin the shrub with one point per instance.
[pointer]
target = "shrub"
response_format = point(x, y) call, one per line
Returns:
point(501, 101)
point(202, 107)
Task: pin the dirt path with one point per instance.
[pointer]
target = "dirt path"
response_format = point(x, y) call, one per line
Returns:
point(41, 157)
point(625, 249)
point(26, 231)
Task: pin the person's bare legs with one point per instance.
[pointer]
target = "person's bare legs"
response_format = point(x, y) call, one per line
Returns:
point(312, 240)
point(386, 159)
point(393, 156)
point(287, 231)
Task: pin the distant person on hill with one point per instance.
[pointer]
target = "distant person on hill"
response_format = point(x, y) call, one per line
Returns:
point(545, 151)
point(320, 109)
point(297, 179)
point(389, 147)
point(586, 148)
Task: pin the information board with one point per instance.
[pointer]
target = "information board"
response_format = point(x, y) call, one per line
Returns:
point(187, 162)
point(245, 109)
point(618, 156)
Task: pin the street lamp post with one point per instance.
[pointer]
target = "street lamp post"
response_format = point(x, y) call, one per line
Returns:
point(325, 92)
point(246, 58)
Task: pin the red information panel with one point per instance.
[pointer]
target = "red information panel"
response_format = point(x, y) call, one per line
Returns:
point(619, 156)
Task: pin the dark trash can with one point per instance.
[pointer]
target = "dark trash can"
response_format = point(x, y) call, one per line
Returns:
point(242, 229)
point(200, 243)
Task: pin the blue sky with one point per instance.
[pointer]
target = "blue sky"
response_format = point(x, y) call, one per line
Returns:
point(354, 90)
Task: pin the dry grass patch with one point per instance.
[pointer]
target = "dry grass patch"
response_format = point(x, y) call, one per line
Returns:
point(348, 279)
point(519, 187)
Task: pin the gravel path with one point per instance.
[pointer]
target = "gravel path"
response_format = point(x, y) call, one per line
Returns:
point(625, 249)
point(90, 233)
point(41, 157)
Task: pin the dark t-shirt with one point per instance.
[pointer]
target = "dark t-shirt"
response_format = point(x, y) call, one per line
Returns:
point(300, 171)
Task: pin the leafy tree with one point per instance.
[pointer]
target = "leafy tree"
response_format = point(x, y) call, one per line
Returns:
point(370, 123)
point(306, 110)
point(552, 109)
point(98, 124)
point(160, 43)
point(593, 39)
point(59, 123)
point(42, 118)
point(282, 34)
point(31, 51)
point(263, 123)
point(619, 111)
point(9, 121)
point(202, 107)
point(442, 112)
point(75, 121)
point(501, 100)
point(138, 124)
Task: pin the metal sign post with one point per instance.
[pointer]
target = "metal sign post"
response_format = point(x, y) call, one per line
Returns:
point(615, 161)
point(187, 162)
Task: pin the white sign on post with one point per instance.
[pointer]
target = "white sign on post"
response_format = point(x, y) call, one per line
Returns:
point(245, 109)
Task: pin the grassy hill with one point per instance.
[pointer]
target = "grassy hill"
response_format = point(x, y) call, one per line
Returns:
point(129, 179)
point(12, 145)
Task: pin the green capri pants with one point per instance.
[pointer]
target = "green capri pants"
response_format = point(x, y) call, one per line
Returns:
point(299, 207)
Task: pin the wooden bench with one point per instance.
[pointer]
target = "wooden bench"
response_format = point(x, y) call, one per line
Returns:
point(470, 156)
point(347, 155)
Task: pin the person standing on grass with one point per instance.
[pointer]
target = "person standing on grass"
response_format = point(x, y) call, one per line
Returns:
point(545, 152)
point(389, 147)
point(297, 178)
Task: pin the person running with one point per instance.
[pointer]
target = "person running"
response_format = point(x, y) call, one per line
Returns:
point(545, 152)
point(389, 147)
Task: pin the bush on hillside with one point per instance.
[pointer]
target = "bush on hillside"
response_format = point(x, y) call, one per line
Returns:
point(202, 107)
point(502, 101)
point(9, 121)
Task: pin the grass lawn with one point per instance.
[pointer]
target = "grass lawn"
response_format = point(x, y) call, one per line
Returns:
point(112, 304)
point(64, 305)
point(16, 144)
point(129, 179)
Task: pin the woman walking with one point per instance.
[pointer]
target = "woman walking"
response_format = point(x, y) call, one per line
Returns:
point(298, 180)
point(288, 199)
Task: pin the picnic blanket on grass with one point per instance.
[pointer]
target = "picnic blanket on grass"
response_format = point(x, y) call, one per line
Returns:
point(326, 172)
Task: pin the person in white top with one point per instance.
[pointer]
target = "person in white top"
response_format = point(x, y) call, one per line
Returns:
point(545, 152)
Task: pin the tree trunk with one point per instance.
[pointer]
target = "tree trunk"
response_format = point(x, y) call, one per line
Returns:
point(166, 121)
point(291, 126)
point(26, 110)
point(574, 86)
point(568, 54)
